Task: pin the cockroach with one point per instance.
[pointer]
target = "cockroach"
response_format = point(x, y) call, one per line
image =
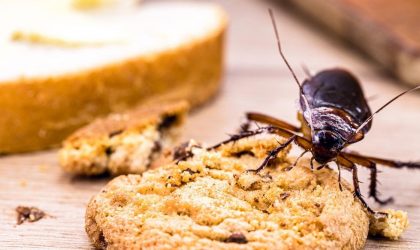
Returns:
point(334, 114)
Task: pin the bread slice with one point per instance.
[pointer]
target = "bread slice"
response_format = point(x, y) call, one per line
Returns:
point(209, 201)
point(62, 66)
point(126, 143)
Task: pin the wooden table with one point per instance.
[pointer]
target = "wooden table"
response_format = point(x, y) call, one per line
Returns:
point(256, 79)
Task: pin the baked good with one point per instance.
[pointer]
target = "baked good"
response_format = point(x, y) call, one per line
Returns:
point(60, 75)
point(124, 143)
point(209, 201)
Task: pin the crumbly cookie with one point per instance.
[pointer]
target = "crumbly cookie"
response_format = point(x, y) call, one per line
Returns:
point(124, 143)
point(210, 202)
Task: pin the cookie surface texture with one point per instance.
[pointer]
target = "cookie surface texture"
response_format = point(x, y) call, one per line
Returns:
point(210, 202)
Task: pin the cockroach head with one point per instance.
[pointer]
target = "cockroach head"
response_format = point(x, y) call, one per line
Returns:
point(326, 145)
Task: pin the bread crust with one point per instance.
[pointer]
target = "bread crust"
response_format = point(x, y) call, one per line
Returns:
point(43, 111)
point(209, 202)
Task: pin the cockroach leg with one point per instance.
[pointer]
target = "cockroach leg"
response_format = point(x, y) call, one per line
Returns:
point(183, 158)
point(273, 154)
point(269, 120)
point(321, 167)
point(241, 135)
point(385, 162)
point(373, 184)
point(357, 189)
point(351, 166)
point(339, 176)
point(184, 151)
point(296, 161)
point(245, 127)
point(366, 162)
point(302, 142)
point(312, 163)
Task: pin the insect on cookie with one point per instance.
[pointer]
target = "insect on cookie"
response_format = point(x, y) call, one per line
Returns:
point(210, 201)
point(124, 143)
point(334, 114)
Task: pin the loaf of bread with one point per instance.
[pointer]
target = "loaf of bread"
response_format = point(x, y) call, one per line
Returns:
point(65, 63)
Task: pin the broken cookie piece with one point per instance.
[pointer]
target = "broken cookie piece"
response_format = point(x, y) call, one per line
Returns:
point(124, 143)
point(390, 226)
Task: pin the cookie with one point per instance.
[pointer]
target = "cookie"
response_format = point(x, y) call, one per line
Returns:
point(124, 143)
point(210, 201)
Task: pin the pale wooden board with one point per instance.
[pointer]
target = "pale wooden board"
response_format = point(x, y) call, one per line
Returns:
point(255, 80)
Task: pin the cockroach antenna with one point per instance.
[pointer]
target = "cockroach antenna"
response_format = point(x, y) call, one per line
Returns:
point(276, 32)
point(379, 110)
point(383, 106)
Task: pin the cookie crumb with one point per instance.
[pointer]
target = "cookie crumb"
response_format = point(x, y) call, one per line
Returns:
point(30, 214)
point(237, 238)
point(390, 226)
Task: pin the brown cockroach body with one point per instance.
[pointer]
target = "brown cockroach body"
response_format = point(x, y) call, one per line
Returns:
point(337, 108)
point(334, 114)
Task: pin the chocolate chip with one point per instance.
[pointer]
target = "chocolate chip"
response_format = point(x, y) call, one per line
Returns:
point(102, 241)
point(109, 151)
point(114, 133)
point(30, 214)
point(284, 196)
point(241, 153)
point(238, 238)
point(190, 171)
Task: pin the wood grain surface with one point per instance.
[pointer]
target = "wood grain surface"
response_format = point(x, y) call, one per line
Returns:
point(257, 80)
